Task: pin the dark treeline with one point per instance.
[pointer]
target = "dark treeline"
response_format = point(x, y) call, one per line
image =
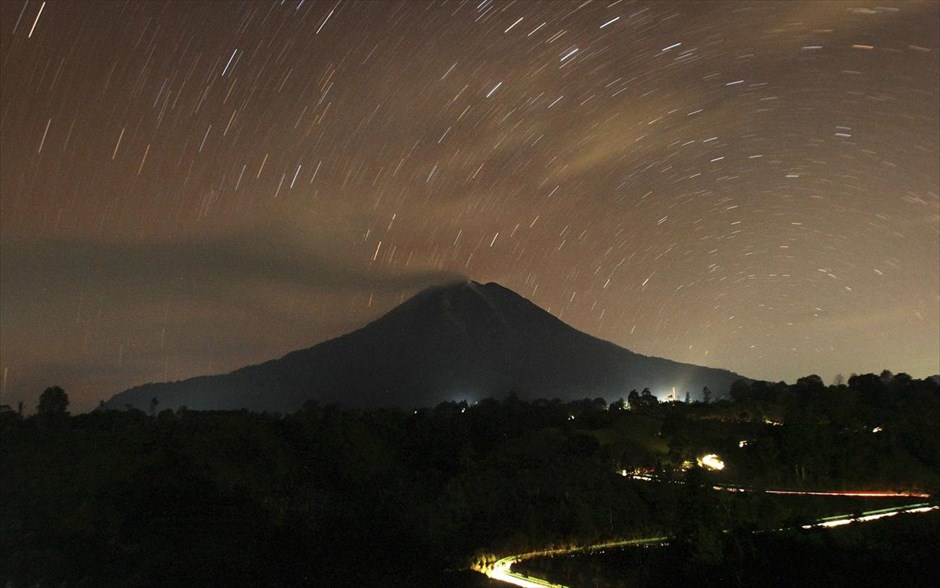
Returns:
point(337, 497)
point(320, 497)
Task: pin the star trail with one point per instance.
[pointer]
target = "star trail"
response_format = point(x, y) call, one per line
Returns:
point(189, 187)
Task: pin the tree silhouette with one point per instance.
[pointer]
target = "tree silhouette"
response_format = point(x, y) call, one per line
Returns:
point(633, 398)
point(811, 383)
point(645, 400)
point(53, 402)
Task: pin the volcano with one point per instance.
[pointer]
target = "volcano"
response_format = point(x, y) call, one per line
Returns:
point(463, 341)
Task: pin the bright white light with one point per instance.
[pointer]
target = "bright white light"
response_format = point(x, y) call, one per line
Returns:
point(502, 572)
point(711, 462)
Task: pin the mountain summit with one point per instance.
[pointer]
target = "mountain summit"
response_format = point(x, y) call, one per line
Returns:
point(458, 341)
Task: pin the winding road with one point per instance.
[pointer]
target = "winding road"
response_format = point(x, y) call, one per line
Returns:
point(501, 570)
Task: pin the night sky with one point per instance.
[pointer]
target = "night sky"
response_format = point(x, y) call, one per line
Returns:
point(188, 188)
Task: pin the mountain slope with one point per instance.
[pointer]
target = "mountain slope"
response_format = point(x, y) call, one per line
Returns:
point(461, 341)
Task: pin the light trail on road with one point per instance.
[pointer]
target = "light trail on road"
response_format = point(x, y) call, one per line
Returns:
point(856, 493)
point(872, 515)
point(501, 570)
point(735, 488)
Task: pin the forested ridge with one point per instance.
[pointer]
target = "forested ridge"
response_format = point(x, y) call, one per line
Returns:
point(326, 496)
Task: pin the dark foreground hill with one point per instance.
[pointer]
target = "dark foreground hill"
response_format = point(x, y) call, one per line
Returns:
point(461, 341)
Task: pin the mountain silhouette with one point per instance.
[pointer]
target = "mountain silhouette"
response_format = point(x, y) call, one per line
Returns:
point(453, 342)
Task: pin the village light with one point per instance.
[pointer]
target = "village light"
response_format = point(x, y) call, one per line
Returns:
point(711, 462)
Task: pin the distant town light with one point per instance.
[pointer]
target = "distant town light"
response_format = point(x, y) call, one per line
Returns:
point(644, 474)
point(743, 443)
point(877, 430)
